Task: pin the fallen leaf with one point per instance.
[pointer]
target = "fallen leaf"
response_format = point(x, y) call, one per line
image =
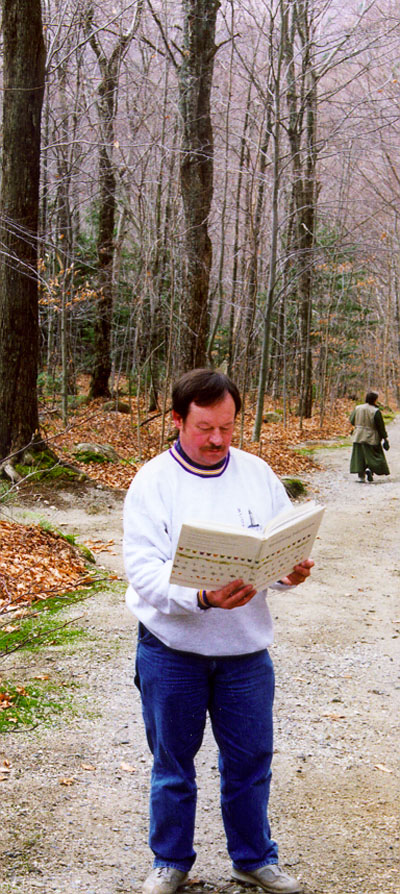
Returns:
point(382, 768)
point(5, 701)
point(69, 780)
point(335, 716)
point(99, 546)
point(128, 768)
point(88, 767)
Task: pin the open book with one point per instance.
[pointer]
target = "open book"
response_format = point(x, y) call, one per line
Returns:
point(209, 556)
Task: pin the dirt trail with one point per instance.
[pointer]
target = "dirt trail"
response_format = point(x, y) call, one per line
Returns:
point(335, 796)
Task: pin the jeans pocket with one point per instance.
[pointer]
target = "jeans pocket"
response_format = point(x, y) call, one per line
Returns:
point(144, 636)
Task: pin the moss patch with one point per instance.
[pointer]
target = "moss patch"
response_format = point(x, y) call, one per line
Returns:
point(37, 472)
point(37, 701)
point(294, 487)
point(42, 625)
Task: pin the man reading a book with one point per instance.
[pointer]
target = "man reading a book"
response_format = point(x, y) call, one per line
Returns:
point(204, 650)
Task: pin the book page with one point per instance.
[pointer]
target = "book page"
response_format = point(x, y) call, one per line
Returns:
point(209, 558)
point(289, 515)
point(286, 547)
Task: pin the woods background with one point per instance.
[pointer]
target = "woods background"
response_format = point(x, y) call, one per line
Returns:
point(193, 183)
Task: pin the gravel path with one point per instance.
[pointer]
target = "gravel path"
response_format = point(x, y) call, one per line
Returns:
point(74, 806)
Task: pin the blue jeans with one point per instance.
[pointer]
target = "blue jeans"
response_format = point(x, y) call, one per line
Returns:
point(177, 690)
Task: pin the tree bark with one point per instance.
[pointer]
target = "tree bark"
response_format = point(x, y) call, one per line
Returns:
point(196, 172)
point(24, 73)
point(274, 129)
point(107, 108)
point(302, 103)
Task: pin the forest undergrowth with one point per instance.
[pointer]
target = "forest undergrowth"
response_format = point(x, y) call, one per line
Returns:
point(36, 563)
point(137, 435)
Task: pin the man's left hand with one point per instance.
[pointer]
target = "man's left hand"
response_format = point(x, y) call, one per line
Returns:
point(299, 574)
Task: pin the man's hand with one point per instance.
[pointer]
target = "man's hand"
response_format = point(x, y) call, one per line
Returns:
point(299, 573)
point(233, 595)
point(237, 593)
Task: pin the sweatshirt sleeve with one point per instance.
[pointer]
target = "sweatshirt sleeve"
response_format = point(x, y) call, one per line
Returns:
point(148, 549)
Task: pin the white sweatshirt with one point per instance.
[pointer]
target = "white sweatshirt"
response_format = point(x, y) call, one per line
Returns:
point(161, 497)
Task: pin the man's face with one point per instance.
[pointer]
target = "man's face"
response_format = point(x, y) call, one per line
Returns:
point(206, 433)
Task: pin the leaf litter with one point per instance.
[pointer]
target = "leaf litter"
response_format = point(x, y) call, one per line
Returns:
point(36, 564)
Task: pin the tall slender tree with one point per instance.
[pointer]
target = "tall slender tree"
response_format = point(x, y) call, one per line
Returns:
point(24, 75)
point(107, 96)
point(301, 97)
point(195, 83)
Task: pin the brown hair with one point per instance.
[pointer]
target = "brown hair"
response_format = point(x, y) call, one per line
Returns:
point(371, 397)
point(204, 387)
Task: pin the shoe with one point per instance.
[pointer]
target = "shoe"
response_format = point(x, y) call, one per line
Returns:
point(370, 475)
point(164, 880)
point(270, 878)
point(361, 479)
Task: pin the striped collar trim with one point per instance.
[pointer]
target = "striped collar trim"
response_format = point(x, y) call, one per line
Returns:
point(201, 471)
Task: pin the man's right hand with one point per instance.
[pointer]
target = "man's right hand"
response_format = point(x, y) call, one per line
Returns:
point(233, 595)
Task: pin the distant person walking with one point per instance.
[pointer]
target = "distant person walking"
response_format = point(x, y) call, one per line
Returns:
point(367, 455)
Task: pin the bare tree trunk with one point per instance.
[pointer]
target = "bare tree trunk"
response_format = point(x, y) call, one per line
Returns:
point(107, 107)
point(65, 233)
point(24, 73)
point(236, 242)
point(271, 277)
point(302, 103)
point(224, 205)
point(274, 128)
point(195, 82)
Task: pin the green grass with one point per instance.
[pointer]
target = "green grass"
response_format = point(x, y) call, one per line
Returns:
point(44, 625)
point(5, 488)
point(305, 451)
point(320, 445)
point(36, 702)
point(336, 445)
point(48, 624)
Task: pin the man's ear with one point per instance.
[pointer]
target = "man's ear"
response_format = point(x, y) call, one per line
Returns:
point(178, 421)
